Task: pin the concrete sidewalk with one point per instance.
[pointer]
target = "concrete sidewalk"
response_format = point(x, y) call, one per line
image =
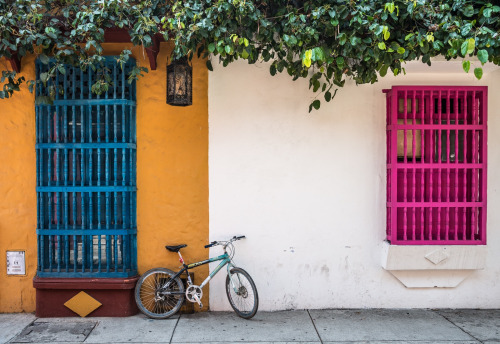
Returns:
point(313, 326)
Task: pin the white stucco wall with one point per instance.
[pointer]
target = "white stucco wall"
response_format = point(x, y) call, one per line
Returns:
point(308, 191)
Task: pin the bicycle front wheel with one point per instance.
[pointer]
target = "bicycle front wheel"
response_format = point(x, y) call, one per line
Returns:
point(242, 293)
point(152, 296)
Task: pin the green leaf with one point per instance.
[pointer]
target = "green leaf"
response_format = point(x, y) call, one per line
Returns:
point(340, 62)
point(482, 55)
point(328, 96)
point(468, 11)
point(463, 48)
point(209, 65)
point(389, 6)
point(401, 50)
point(383, 70)
point(478, 72)
point(381, 46)
point(318, 54)
point(317, 85)
point(468, 46)
point(316, 104)
point(44, 77)
point(355, 40)
point(471, 45)
point(306, 60)
point(272, 70)
point(44, 59)
point(466, 66)
point(342, 38)
point(211, 47)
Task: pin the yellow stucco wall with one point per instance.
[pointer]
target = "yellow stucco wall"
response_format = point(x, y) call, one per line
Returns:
point(172, 177)
point(18, 193)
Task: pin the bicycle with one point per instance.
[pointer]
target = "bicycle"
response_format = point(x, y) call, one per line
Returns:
point(160, 293)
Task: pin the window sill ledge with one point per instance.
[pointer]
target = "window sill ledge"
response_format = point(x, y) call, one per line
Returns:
point(432, 266)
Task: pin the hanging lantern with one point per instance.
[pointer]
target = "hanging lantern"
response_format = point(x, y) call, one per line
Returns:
point(179, 83)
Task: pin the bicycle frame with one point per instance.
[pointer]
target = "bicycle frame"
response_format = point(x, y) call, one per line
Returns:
point(225, 260)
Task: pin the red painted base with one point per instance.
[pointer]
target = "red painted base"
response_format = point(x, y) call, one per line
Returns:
point(115, 294)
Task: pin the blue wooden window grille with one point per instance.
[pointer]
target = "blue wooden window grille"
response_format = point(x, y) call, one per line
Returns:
point(86, 175)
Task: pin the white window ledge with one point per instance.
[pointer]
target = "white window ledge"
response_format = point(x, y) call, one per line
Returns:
point(433, 266)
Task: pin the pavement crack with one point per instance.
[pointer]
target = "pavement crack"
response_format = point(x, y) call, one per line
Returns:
point(93, 327)
point(175, 327)
point(451, 322)
point(321, 340)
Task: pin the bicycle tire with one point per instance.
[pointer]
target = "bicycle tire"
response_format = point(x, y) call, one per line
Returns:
point(245, 302)
point(146, 295)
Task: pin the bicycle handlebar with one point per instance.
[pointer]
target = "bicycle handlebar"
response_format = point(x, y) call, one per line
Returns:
point(214, 243)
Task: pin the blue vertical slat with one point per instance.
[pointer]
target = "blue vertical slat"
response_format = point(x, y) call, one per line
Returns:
point(42, 210)
point(84, 252)
point(115, 241)
point(90, 174)
point(98, 184)
point(91, 250)
point(41, 261)
point(50, 253)
point(98, 123)
point(75, 254)
point(91, 211)
point(99, 254)
point(39, 252)
point(66, 222)
point(124, 253)
point(57, 125)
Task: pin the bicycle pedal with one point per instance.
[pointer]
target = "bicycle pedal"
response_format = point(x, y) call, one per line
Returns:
point(201, 305)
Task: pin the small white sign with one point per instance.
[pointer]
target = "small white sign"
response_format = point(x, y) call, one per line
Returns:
point(16, 264)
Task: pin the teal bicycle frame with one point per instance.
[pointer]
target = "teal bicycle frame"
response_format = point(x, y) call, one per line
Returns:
point(225, 260)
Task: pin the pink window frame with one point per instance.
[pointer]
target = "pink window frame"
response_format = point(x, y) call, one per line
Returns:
point(436, 196)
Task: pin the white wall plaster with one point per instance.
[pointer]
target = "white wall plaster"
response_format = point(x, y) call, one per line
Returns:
point(308, 191)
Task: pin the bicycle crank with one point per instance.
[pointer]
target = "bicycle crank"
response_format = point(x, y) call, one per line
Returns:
point(194, 294)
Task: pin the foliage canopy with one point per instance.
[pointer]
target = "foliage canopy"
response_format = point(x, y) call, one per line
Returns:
point(325, 41)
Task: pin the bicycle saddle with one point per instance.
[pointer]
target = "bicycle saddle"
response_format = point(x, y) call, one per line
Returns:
point(175, 248)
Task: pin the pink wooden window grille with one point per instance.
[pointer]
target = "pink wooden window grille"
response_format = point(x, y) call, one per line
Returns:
point(436, 165)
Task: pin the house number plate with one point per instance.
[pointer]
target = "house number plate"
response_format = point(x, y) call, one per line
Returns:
point(16, 263)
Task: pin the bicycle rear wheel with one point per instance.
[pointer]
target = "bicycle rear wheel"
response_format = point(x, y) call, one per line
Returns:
point(242, 293)
point(150, 293)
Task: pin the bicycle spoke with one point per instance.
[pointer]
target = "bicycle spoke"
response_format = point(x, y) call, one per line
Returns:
point(152, 297)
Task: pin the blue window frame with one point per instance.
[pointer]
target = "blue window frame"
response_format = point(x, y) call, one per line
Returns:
point(86, 175)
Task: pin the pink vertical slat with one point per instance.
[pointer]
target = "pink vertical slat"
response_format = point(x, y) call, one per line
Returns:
point(466, 163)
point(414, 151)
point(394, 160)
point(431, 170)
point(448, 148)
point(422, 162)
point(439, 143)
point(390, 165)
point(474, 149)
point(405, 170)
point(484, 160)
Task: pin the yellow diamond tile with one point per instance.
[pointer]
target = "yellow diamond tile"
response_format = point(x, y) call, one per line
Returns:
point(82, 304)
